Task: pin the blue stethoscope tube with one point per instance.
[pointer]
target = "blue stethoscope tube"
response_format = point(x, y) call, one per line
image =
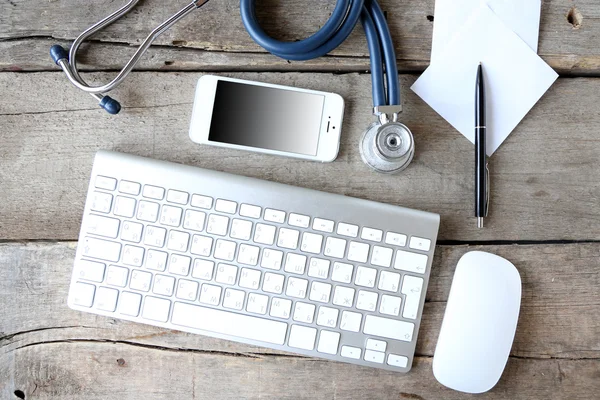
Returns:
point(344, 18)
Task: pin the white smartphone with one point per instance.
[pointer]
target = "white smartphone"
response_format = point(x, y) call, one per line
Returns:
point(266, 118)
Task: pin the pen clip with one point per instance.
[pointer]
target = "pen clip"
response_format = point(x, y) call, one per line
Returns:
point(487, 188)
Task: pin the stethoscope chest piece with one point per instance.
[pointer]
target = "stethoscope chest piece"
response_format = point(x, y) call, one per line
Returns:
point(387, 147)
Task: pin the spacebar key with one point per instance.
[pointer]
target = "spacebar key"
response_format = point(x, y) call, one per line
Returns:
point(226, 323)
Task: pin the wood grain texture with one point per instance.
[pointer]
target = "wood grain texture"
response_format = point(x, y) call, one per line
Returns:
point(28, 28)
point(541, 190)
point(52, 352)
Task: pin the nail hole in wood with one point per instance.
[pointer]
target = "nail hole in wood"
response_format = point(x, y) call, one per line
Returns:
point(575, 17)
point(120, 362)
point(429, 18)
point(19, 394)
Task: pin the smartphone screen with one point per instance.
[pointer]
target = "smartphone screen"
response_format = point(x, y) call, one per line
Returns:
point(267, 118)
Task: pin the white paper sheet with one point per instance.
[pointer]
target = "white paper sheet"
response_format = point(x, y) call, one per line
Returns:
point(515, 78)
point(521, 16)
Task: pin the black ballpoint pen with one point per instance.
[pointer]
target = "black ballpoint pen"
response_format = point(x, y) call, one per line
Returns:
point(482, 179)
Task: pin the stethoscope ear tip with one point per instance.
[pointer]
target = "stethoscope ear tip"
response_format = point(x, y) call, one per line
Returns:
point(110, 105)
point(57, 52)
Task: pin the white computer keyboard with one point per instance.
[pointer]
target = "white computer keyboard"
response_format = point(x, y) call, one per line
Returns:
point(253, 261)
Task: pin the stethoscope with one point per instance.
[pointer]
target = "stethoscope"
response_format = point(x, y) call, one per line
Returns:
point(386, 146)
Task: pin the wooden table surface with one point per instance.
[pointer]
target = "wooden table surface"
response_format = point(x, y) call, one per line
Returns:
point(545, 214)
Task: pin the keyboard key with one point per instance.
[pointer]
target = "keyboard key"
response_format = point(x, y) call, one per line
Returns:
point(304, 312)
point(129, 303)
point(241, 229)
point(377, 345)
point(187, 290)
point(203, 269)
point(171, 216)
point(323, 225)
point(280, 308)
point(156, 309)
point(204, 202)
point(365, 277)
point(226, 206)
point(248, 254)
point(396, 239)
point(217, 225)
point(374, 356)
point(101, 202)
point(390, 305)
point(389, 281)
point(234, 299)
point(319, 268)
point(90, 270)
point(397, 361)
point(366, 301)
point(104, 182)
point(295, 263)
point(227, 323)
point(201, 245)
point(133, 255)
point(225, 250)
point(302, 337)
point(131, 232)
point(418, 243)
point(101, 249)
point(178, 241)
point(176, 196)
point(226, 274)
point(274, 216)
point(296, 287)
point(194, 220)
point(382, 256)
point(140, 280)
point(163, 285)
point(299, 220)
point(335, 247)
point(129, 187)
point(358, 252)
point(148, 211)
point(311, 242)
point(411, 262)
point(288, 238)
point(156, 260)
point(350, 321)
point(351, 352)
point(179, 265)
point(116, 276)
point(320, 292)
point(153, 192)
point(210, 294)
point(264, 234)
point(102, 226)
point(343, 296)
point(155, 236)
point(124, 207)
point(411, 287)
point(271, 259)
point(388, 328)
point(373, 235)
point(106, 299)
point(250, 211)
point(257, 303)
point(342, 272)
point(327, 317)
point(328, 342)
point(83, 294)
point(273, 283)
point(344, 229)
point(249, 278)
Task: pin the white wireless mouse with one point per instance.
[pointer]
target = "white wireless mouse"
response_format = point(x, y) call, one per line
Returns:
point(479, 324)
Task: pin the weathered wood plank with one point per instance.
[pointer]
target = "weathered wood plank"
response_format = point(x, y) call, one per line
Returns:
point(540, 189)
point(218, 27)
point(51, 352)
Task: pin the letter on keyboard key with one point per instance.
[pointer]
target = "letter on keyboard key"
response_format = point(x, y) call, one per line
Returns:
point(155, 236)
point(302, 337)
point(83, 294)
point(389, 328)
point(131, 232)
point(101, 249)
point(225, 250)
point(156, 309)
point(170, 216)
point(178, 241)
point(227, 323)
point(271, 259)
point(103, 226)
point(187, 290)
